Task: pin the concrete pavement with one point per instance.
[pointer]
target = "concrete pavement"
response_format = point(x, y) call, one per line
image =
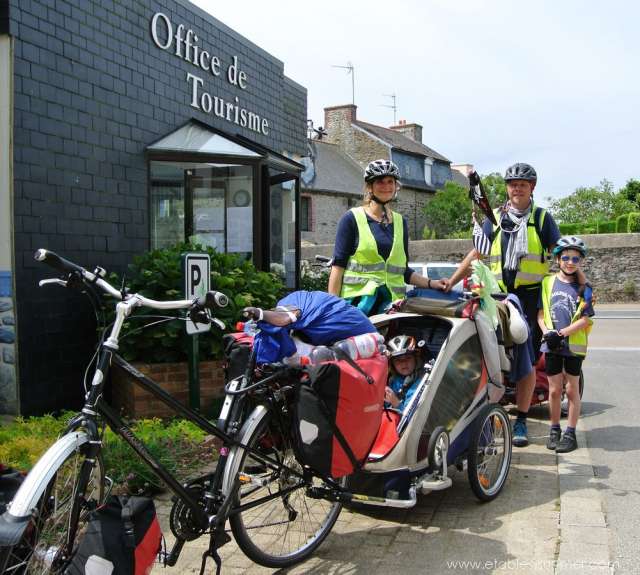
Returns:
point(547, 520)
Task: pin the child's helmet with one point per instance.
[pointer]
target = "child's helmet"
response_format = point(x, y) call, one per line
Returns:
point(380, 169)
point(402, 345)
point(570, 243)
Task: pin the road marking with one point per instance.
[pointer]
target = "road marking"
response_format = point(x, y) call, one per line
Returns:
point(600, 348)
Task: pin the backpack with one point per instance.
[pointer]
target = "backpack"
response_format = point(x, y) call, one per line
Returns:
point(122, 537)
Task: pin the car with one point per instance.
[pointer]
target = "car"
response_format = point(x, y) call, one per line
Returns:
point(436, 271)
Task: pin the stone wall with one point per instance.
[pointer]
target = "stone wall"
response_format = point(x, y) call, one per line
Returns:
point(612, 264)
point(8, 390)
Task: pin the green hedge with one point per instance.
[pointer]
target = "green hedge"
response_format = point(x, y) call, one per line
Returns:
point(599, 227)
point(634, 223)
point(622, 224)
point(608, 227)
point(569, 229)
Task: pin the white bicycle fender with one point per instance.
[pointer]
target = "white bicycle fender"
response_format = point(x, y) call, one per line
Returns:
point(38, 478)
point(235, 456)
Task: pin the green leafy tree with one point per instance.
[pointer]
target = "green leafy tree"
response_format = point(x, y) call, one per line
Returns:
point(448, 214)
point(449, 211)
point(495, 187)
point(631, 192)
point(590, 204)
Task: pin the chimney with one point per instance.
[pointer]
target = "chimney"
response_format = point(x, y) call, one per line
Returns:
point(337, 122)
point(412, 131)
point(464, 169)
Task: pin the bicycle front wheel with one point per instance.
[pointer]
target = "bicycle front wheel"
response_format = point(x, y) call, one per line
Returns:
point(58, 521)
point(275, 522)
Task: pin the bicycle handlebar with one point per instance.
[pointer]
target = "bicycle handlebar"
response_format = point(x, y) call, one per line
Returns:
point(209, 300)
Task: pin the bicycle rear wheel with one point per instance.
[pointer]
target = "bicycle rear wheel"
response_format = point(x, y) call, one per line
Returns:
point(45, 547)
point(284, 526)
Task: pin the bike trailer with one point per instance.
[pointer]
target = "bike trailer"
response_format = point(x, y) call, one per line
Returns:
point(337, 414)
point(123, 537)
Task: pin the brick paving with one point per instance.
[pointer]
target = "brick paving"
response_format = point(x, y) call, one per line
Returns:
point(518, 532)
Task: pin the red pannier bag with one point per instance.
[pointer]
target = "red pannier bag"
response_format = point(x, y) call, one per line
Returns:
point(122, 537)
point(338, 412)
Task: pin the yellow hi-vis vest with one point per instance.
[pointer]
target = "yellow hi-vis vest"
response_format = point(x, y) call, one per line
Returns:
point(366, 270)
point(577, 340)
point(533, 266)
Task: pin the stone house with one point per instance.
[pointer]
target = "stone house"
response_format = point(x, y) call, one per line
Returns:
point(422, 170)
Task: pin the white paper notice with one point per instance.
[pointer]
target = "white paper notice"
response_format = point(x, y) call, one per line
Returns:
point(240, 229)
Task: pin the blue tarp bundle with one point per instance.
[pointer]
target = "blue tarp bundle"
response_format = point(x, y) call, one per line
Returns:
point(324, 319)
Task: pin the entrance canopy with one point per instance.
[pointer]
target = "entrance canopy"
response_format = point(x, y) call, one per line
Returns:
point(197, 138)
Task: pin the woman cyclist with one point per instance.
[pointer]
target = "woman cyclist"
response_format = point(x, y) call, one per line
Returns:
point(372, 246)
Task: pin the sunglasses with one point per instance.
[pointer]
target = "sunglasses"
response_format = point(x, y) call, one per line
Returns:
point(572, 259)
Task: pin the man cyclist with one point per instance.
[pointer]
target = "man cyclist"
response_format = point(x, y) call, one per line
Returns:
point(518, 248)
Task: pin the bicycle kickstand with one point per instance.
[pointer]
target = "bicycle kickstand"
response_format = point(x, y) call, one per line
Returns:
point(218, 538)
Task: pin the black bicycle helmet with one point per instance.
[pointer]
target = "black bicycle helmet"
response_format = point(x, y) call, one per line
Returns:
point(570, 243)
point(380, 169)
point(520, 171)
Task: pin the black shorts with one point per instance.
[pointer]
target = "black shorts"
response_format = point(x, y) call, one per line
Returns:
point(556, 364)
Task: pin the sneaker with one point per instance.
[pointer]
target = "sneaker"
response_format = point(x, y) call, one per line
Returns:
point(567, 443)
point(520, 438)
point(554, 437)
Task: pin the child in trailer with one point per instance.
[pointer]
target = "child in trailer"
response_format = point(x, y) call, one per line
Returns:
point(565, 311)
point(406, 367)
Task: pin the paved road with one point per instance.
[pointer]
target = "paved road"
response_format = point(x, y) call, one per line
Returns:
point(610, 419)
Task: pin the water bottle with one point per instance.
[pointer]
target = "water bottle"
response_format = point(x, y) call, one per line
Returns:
point(321, 354)
point(361, 346)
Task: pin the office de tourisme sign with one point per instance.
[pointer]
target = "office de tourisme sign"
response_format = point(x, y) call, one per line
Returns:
point(183, 42)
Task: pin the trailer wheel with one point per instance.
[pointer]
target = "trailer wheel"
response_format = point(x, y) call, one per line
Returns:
point(489, 452)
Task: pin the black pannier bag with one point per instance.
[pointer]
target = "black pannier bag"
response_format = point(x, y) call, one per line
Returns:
point(10, 481)
point(337, 414)
point(237, 349)
point(122, 537)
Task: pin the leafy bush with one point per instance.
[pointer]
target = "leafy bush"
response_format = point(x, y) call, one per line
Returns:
point(569, 229)
point(178, 444)
point(629, 288)
point(158, 275)
point(622, 224)
point(608, 227)
point(634, 223)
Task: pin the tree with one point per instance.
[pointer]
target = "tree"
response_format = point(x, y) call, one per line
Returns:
point(448, 214)
point(590, 204)
point(631, 192)
point(496, 188)
point(449, 211)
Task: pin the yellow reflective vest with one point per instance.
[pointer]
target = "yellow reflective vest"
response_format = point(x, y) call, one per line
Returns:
point(577, 340)
point(533, 266)
point(366, 271)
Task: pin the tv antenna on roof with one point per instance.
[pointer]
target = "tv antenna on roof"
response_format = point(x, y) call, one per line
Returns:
point(393, 106)
point(350, 70)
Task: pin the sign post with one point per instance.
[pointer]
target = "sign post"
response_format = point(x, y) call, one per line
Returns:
point(197, 273)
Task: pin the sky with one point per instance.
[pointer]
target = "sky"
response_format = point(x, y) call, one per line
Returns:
point(554, 83)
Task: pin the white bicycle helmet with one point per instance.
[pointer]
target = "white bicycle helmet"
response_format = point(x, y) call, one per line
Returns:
point(380, 169)
point(570, 243)
point(402, 345)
